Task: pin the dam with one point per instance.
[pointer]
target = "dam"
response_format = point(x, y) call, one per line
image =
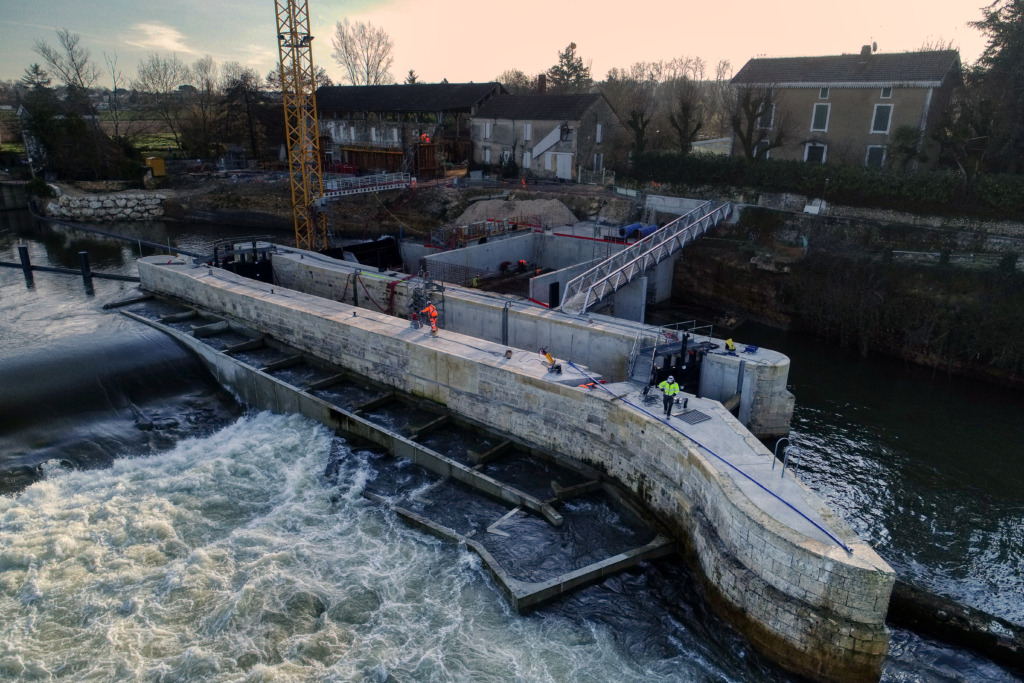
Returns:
point(774, 561)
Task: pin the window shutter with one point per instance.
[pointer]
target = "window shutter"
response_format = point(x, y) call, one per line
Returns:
point(527, 131)
point(487, 130)
point(547, 161)
point(487, 156)
point(599, 133)
point(394, 134)
point(373, 135)
point(526, 160)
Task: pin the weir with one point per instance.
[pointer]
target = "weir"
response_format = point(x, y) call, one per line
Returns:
point(792, 577)
point(262, 386)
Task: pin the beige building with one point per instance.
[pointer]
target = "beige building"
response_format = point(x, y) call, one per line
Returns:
point(846, 108)
point(550, 136)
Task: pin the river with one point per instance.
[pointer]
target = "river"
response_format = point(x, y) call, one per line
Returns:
point(213, 545)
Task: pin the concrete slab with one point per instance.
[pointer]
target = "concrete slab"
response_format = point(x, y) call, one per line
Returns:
point(726, 437)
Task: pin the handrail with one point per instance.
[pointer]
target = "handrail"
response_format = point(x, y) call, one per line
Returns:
point(656, 253)
point(737, 469)
point(577, 282)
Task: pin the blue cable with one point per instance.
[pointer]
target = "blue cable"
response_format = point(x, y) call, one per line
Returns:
point(759, 484)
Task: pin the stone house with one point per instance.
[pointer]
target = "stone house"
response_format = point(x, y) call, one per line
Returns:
point(550, 136)
point(382, 127)
point(847, 108)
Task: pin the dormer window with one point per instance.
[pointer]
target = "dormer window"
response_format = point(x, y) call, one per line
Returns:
point(823, 94)
point(886, 93)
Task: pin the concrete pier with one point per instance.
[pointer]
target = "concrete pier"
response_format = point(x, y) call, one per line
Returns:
point(776, 562)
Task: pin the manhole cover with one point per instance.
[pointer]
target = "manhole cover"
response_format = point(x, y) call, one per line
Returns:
point(693, 417)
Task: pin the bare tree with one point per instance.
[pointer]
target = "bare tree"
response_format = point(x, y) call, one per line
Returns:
point(688, 99)
point(200, 107)
point(517, 82)
point(320, 78)
point(69, 61)
point(759, 120)
point(364, 52)
point(120, 119)
point(160, 78)
point(634, 95)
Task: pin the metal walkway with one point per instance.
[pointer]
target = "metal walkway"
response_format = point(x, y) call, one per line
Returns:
point(371, 183)
point(618, 271)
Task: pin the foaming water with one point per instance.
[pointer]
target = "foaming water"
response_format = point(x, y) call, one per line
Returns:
point(233, 554)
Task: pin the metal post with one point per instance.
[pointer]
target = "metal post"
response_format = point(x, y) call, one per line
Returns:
point(83, 260)
point(26, 262)
point(777, 444)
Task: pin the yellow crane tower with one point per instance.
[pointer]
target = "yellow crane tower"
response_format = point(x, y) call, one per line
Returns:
point(295, 47)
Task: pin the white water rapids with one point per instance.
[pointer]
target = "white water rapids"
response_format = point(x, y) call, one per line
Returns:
point(231, 558)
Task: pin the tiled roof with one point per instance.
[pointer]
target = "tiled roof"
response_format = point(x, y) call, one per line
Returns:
point(538, 107)
point(420, 97)
point(892, 68)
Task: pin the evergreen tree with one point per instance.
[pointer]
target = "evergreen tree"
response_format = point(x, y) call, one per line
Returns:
point(570, 75)
point(412, 78)
point(1003, 72)
point(36, 77)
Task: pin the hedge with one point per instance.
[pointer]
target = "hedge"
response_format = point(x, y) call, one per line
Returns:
point(923, 191)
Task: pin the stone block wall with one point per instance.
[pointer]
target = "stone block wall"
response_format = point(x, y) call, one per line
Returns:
point(108, 207)
point(812, 607)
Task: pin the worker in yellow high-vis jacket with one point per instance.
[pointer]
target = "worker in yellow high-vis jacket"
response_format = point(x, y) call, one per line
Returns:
point(669, 389)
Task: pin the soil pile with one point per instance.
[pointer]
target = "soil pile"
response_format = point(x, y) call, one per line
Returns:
point(552, 212)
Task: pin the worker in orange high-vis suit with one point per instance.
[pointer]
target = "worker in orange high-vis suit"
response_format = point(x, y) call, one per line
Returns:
point(432, 312)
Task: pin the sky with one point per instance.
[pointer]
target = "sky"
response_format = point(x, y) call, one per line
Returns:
point(477, 41)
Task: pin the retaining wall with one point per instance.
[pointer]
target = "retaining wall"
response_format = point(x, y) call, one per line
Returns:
point(814, 608)
point(108, 207)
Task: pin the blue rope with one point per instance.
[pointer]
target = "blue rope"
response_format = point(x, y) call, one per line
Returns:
point(759, 484)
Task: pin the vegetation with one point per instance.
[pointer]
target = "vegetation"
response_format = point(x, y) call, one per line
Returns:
point(941, 190)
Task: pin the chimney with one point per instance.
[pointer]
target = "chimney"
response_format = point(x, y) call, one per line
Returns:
point(865, 53)
point(542, 84)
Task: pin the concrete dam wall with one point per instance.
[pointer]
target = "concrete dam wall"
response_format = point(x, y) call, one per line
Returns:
point(814, 605)
point(600, 342)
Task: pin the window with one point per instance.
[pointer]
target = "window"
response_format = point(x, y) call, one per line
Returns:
point(599, 161)
point(394, 134)
point(547, 161)
point(823, 94)
point(487, 130)
point(599, 133)
point(487, 155)
point(527, 131)
point(819, 121)
point(876, 156)
point(886, 93)
point(505, 157)
point(759, 146)
point(527, 160)
point(815, 153)
point(882, 118)
point(764, 121)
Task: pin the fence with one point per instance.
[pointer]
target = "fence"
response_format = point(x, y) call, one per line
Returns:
point(456, 237)
point(452, 273)
point(602, 177)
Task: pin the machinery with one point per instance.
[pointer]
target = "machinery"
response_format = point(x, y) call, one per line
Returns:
point(295, 48)
point(302, 133)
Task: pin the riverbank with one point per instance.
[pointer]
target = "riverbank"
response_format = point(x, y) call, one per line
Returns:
point(949, 299)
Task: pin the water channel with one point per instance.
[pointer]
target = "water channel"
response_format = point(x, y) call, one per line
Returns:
point(183, 538)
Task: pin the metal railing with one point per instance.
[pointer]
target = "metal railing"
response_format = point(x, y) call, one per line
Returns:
point(619, 270)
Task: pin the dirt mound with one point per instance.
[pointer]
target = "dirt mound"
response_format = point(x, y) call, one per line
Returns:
point(552, 212)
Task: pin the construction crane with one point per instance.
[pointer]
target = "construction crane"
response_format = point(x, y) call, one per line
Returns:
point(295, 47)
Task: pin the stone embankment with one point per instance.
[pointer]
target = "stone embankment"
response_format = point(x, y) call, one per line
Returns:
point(108, 207)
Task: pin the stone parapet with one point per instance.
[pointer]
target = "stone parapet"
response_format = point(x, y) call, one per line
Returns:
point(809, 605)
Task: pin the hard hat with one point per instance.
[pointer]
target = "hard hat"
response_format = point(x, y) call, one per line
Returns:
point(671, 378)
